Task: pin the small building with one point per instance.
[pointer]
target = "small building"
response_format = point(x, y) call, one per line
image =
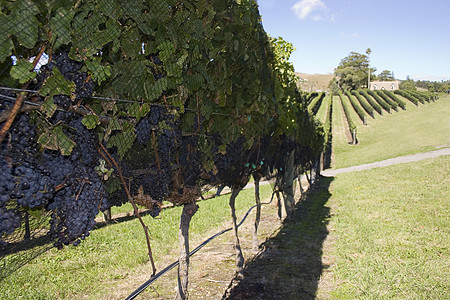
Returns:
point(385, 85)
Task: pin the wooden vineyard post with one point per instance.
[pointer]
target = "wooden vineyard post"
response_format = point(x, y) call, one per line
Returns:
point(107, 215)
point(258, 211)
point(288, 190)
point(189, 210)
point(299, 178)
point(237, 245)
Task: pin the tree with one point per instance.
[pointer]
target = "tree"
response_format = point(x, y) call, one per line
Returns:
point(386, 75)
point(333, 85)
point(408, 84)
point(352, 72)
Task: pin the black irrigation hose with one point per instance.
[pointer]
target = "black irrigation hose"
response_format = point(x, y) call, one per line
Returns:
point(174, 264)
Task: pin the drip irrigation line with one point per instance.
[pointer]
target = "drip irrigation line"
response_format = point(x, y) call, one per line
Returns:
point(174, 264)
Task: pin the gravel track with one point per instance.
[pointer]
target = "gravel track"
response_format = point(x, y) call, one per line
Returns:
point(388, 162)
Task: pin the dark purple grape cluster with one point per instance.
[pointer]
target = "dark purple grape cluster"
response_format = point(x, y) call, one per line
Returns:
point(76, 205)
point(149, 122)
point(190, 160)
point(71, 70)
point(143, 131)
point(62, 101)
point(66, 185)
point(233, 165)
point(21, 142)
point(157, 74)
point(9, 218)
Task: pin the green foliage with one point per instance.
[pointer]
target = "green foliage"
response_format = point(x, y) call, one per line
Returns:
point(374, 103)
point(55, 139)
point(56, 84)
point(351, 124)
point(356, 107)
point(23, 71)
point(407, 95)
point(408, 85)
point(367, 107)
point(210, 59)
point(392, 96)
point(327, 126)
point(386, 75)
point(314, 105)
point(352, 71)
point(385, 97)
point(333, 85)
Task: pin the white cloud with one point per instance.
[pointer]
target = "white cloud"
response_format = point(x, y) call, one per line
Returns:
point(333, 18)
point(304, 8)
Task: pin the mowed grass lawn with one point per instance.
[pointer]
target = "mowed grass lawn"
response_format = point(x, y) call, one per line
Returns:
point(389, 235)
point(417, 129)
point(111, 256)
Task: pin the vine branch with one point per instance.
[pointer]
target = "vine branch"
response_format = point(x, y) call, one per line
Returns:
point(19, 101)
point(136, 211)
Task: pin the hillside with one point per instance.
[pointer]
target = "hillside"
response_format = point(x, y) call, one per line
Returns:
point(314, 82)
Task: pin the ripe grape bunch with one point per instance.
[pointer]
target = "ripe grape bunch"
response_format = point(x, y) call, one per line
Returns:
point(66, 185)
point(70, 70)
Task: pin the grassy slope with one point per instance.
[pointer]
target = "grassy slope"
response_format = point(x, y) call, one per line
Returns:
point(111, 254)
point(315, 81)
point(417, 129)
point(322, 112)
point(340, 143)
point(390, 233)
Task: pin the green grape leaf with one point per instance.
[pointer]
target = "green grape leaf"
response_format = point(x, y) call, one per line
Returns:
point(91, 121)
point(48, 107)
point(166, 49)
point(113, 125)
point(55, 139)
point(123, 140)
point(6, 45)
point(22, 71)
point(98, 72)
point(60, 26)
point(27, 32)
point(57, 85)
point(110, 8)
point(23, 23)
point(138, 111)
point(130, 43)
point(153, 91)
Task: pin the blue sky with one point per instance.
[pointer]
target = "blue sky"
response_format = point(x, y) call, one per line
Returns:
point(408, 37)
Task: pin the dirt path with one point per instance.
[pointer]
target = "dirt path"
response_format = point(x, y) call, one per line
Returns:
point(388, 162)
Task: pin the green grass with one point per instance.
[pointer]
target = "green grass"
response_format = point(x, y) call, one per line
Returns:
point(391, 233)
point(340, 143)
point(417, 129)
point(322, 112)
point(110, 254)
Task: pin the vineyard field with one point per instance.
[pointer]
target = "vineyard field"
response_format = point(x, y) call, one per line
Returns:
point(409, 131)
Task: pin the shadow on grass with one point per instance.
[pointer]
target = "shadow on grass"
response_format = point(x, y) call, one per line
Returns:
point(290, 263)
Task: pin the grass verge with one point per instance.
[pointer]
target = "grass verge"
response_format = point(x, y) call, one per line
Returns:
point(107, 260)
point(389, 235)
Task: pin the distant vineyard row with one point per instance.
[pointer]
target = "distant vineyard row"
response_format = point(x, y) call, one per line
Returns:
point(366, 103)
